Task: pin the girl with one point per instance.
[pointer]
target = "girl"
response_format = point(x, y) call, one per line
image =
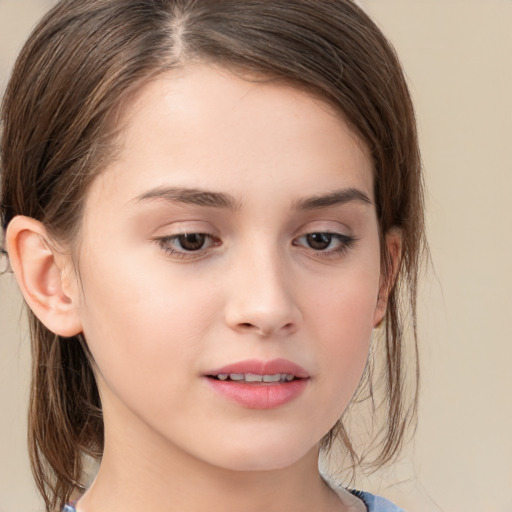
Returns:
point(209, 206)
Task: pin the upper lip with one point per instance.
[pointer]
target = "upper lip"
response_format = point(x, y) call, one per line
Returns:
point(259, 367)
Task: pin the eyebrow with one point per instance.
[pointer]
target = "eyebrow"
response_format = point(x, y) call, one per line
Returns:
point(190, 196)
point(336, 198)
point(211, 199)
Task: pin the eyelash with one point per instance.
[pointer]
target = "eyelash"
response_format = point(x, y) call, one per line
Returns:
point(345, 243)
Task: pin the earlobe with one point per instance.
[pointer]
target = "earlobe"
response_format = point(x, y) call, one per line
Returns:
point(394, 249)
point(44, 276)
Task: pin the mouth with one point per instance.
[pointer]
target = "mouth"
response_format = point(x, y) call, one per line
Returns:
point(254, 378)
point(258, 384)
point(259, 372)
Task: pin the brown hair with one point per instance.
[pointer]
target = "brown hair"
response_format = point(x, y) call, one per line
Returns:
point(78, 67)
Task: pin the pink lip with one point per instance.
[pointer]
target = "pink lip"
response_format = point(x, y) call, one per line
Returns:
point(260, 395)
point(263, 368)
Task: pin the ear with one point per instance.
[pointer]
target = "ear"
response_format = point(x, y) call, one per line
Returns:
point(45, 276)
point(393, 240)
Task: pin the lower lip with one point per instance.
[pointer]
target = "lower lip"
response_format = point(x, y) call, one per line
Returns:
point(259, 396)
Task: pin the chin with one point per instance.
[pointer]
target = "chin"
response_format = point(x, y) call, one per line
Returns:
point(263, 456)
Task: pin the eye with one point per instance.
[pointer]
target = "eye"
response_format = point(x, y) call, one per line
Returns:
point(187, 243)
point(325, 242)
point(319, 241)
point(191, 241)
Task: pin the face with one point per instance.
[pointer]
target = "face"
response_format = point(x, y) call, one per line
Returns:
point(230, 270)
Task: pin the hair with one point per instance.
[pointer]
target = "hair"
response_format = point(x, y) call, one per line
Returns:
point(74, 75)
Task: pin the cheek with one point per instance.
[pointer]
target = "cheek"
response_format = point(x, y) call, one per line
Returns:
point(347, 332)
point(143, 327)
point(344, 302)
point(127, 294)
point(343, 321)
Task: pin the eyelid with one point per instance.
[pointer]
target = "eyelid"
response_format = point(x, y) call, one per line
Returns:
point(182, 226)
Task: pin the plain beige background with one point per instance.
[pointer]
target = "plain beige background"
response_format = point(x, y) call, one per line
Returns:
point(458, 56)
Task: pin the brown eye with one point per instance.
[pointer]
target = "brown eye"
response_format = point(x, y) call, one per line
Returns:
point(188, 245)
point(319, 241)
point(325, 244)
point(192, 241)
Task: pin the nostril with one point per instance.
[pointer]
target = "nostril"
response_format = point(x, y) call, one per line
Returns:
point(265, 330)
point(252, 327)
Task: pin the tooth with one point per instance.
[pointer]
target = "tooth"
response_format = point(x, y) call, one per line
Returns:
point(252, 377)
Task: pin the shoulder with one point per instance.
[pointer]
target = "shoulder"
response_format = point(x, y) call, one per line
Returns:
point(376, 503)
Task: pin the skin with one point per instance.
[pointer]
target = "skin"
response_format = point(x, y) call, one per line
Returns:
point(157, 318)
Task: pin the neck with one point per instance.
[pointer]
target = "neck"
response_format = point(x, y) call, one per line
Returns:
point(154, 475)
point(150, 483)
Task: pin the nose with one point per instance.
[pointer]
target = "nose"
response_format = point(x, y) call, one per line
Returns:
point(260, 296)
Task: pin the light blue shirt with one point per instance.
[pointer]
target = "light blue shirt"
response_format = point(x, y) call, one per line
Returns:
point(376, 503)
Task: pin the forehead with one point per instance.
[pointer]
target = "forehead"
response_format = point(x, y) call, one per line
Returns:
point(202, 123)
